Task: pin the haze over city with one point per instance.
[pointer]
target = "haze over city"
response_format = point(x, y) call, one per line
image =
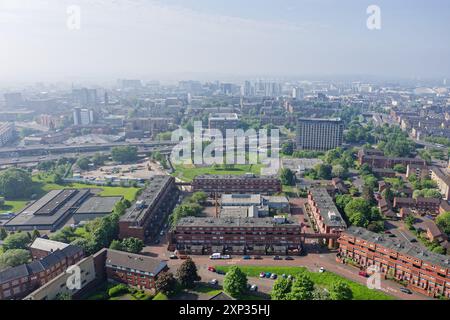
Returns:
point(221, 39)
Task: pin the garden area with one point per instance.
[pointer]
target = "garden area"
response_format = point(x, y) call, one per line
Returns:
point(322, 280)
point(189, 172)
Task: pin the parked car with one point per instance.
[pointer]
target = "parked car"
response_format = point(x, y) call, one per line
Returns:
point(363, 274)
point(413, 240)
point(183, 257)
point(257, 257)
point(214, 282)
point(288, 258)
point(289, 277)
point(254, 288)
point(212, 269)
point(173, 257)
point(273, 276)
point(246, 257)
point(262, 275)
point(277, 258)
point(220, 272)
point(322, 270)
point(405, 290)
point(284, 276)
point(268, 274)
point(226, 257)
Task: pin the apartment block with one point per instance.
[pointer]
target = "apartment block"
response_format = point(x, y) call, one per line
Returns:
point(424, 271)
point(248, 183)
point(150, 210)
point(319, 134)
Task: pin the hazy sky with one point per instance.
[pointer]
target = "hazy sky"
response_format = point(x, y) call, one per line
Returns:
point(150, 39)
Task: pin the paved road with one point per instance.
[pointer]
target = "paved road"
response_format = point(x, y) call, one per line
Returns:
point(312, 261)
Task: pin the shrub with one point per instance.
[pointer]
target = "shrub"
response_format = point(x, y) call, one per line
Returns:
point(118, 290)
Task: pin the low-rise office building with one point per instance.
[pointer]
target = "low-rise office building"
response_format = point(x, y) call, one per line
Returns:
point(424, 271)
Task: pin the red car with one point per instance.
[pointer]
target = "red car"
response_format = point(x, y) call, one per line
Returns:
point(212, 269)
point(363, 274)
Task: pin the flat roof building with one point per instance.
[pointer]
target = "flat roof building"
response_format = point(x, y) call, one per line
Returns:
point(146, 215)
point(49, 212)
point(319, 134)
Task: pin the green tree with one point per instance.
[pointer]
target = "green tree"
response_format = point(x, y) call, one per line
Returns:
point(3, 234)
point(338, 171)
point(87, 245)
point(302, 288)
point(235, 282)
point(358, 212)
point(400, 168)
point(324, 171)
point(187, 274)
point(116, 245)
point(287, 148)
point(19, 240)
point(14, 257)
point(443, 221)
point(83, 163)
point(287, 177)
point(124, 154)
point(166, 283)
point(133, 245)
point(340, 290)
point(15, 183)
point(199, 197)
point(281, 289)
point(367, 194)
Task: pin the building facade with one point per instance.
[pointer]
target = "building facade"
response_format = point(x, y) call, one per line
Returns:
point(236, 235)
point(148, 213)
point(248, 183)
point(319, 134)
point(423, 271)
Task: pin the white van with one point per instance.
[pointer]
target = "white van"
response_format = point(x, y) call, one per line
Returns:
point(215, 256)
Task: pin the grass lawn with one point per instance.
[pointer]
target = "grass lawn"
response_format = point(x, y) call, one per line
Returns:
point(188, 172)
point(13, 205)
point(325, 279)
point(205, 289)
point(160, 296)
point(128, 193)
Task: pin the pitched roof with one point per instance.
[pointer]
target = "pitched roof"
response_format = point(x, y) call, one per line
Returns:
point(134, 261)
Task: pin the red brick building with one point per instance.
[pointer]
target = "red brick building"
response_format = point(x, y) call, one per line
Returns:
point(135, 270)
point(17, 282)
point(327, 217)
point(422, 270)
point(421, 205)
point(145, 217)
point(248, 183)
point(236, 235)
point(376, 159)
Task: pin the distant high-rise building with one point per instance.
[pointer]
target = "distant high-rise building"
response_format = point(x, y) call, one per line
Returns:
point(83, 117)
point(319, 134)
point(85, 97)
point(298, 93)
point(247, 89)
